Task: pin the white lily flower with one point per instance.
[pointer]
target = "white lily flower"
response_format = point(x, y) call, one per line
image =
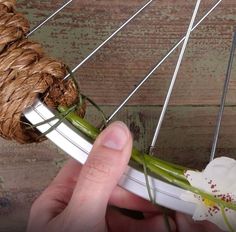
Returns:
point(218, 179)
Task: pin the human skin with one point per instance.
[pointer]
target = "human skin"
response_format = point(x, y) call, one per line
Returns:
point(87, 198)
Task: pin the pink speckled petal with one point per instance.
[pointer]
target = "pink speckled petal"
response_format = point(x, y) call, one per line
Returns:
point(198, 180)
point(217, 178)
point(222, 171)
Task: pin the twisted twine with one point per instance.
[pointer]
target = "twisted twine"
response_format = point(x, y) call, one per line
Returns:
point(26, 73)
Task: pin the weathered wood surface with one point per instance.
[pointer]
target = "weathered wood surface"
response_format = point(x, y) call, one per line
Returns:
point(129, 56)
point(187, 132)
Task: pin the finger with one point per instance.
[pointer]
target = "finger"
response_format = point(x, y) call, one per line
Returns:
point(124, 199)
point(68, 174)
point(99, 176)
point(55, 197)
point(63, 184)
point(118, 222)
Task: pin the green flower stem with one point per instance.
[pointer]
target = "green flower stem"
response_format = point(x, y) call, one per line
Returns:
point(92, 132)
point(97, 107)
point(80, 123)
point(231, 229)
point(145, 171)
point(61, 117)
point(138, 157)
point(178, 167)
point(188, 187)
point(163, 169)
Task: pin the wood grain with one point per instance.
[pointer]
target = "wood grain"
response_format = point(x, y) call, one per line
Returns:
point(125, 60)
point(115, 70)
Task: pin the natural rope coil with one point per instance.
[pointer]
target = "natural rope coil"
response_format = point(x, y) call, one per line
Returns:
point(26, 73)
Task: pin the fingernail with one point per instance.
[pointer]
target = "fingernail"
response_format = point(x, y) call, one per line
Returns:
point(116, 136)
point(171, 224)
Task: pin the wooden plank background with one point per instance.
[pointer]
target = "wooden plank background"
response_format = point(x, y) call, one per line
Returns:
point(114, 71)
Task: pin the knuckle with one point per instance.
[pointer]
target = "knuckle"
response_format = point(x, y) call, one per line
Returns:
point(97, 170)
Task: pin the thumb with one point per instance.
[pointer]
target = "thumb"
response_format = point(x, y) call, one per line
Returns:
point(99, 176)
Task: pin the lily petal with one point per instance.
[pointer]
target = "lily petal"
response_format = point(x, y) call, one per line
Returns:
point(218, 178)
point(223, 171)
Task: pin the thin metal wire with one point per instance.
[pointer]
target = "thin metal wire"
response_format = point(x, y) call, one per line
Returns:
point(223, 98)
point(109, 38)
point(159, 64)
point(172, 84)
point(185, 38)
point(47, 19)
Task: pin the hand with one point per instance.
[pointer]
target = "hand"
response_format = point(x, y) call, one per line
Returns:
point(81, 198)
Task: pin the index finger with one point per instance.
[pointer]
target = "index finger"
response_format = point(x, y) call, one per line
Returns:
point(68, 174)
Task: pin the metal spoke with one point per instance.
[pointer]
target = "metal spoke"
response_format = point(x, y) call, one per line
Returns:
point(223, 98)
point(155, 68)
point(47, 19)
point(172, 84)
point(159, 64)
point(109, 38)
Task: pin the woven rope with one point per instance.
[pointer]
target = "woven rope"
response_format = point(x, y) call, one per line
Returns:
point(26, 73)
